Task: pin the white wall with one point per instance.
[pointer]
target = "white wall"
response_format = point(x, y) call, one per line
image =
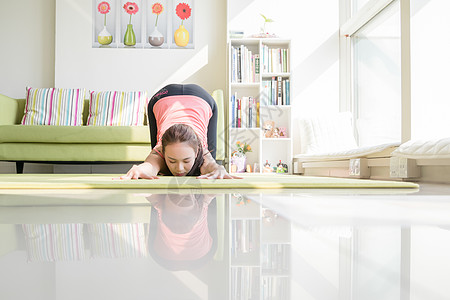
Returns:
point(77, 64)
point(27, 30)
point(312, 27)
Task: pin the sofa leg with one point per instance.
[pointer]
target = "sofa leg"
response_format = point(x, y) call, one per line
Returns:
point(19, 167)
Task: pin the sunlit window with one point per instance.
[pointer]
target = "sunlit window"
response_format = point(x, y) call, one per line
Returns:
point(357, 5)
point(377, 78)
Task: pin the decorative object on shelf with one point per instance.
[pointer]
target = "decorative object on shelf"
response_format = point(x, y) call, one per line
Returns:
point(104, 37)
point(267, 168)
point(269, 216)
point(282, 132)
point(238, 157)
point(276, 133)
point(279, 132)
point(263, 33)
point(236, 34)
point(281, 168)
point(156, 38)
point(239, 162)
point(268, 128)
point(240, 199)
point(130, 38)
point(266, 20)
point(181, 35)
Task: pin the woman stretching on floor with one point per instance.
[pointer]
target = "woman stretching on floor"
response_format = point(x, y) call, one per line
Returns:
point(183, 126)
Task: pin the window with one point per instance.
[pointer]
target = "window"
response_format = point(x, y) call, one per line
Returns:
point(373, 68)
point(377, 78)
point(357, 5)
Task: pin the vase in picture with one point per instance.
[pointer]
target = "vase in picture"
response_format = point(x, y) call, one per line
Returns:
point(181, 36)
point(156, 38)
point(240, 162)
point(130, 38)
point(104, 37)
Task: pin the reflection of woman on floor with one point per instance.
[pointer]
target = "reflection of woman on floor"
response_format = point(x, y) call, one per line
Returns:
point(183, 131)
point(183, 230)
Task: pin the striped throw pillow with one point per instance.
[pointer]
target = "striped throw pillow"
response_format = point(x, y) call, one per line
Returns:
point(115, 108)
point(54, 242)
point(117, 240)
point(54, 106)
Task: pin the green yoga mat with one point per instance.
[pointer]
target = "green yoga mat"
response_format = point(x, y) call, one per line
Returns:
point(249, 181)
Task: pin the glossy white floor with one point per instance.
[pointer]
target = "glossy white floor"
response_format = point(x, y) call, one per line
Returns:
point(296, 244)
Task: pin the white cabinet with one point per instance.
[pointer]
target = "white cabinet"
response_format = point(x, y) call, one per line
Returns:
point(259, 104)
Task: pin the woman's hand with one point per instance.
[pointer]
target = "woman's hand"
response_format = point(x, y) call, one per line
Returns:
point(144, 171)
point(218, 173)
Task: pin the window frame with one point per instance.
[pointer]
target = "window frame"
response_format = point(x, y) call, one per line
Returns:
point(348, 27)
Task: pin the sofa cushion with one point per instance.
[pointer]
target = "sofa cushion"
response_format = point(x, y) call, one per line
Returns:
point(424, 149)
point(74, 134)
point(327, 133)
point(54, 106)
point(115, 108)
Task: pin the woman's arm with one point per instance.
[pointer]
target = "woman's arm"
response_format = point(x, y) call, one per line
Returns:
point(211, 169)
point(149, 169)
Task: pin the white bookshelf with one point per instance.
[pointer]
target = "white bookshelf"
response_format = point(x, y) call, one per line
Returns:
point(260, 251)
point(280, 111)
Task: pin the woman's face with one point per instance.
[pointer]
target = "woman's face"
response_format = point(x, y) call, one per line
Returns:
point(179, 158)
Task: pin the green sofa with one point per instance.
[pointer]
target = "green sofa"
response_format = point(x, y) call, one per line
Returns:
point(77, 144)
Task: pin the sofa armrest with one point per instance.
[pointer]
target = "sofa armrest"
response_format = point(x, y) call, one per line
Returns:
point(9, 110)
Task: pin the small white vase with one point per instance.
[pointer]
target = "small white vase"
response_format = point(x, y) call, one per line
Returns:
point(156, 38)
point(239, 162)
point(104, 37)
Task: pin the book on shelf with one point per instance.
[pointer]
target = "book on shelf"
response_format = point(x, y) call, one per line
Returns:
point(275, 91)
point(245, 65)
point(244, 283)
point(257, 66)
point(244, 112)
point(275, 258)
point(238, 75)
point(233, 65)
point(275, 288)
point(279, 91)
point(244, 237)
point(257, 118)
point(238, 113)
point(233, 110)
point(275, 60)
point(288, 92)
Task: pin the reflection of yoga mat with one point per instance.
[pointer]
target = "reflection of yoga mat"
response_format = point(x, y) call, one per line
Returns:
point(249, 181)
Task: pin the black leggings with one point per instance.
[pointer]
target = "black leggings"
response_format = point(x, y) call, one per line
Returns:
point(185, 89)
